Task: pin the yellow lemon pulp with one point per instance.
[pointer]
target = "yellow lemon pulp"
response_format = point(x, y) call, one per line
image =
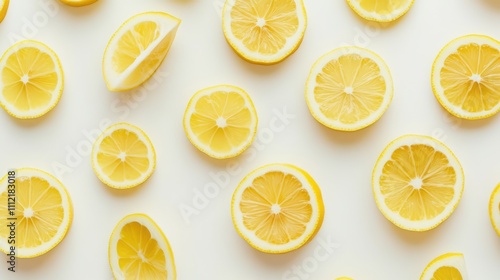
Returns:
point(447, 273)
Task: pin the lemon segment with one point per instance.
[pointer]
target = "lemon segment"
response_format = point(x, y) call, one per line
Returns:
point(450, 266)
point(494, 209)
point(78, 3)
point(277, 208)
point(417, 182)
point(466, 77)
point(31, 81)
point(349, 89)
point(221, 121)
point(123, 156)
point(43, 212)
point(380, 10)
point(4, 6)
point(137, 49)
point(138, 249)
point(264, 32)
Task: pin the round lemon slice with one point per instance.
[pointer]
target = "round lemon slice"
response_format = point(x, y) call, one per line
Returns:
point(277, 208)
point(137, 49)
point(123, 156)
point(417, 182)
point(37, 211)
point(344, 278)
point(31, 80)
point(466, 77)
point(380, 10)
point(4, 6)
point(221, 121)
point(494, 209)
point(349, 88)
point(447, 266)
point(78, 3)
point(264, 32)
point(138, 249)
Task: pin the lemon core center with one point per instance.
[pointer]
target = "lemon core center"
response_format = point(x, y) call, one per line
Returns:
point(348, 90)
point(25, 79)
point(28, 213)
point(275, 209)
point(261, 22)
point(122, 156)
point(221, 122)
point(416, 183)
point(475, 78)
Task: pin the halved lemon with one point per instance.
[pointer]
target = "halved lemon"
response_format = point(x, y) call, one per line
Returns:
point(380, 10)
point(494, 209)
point(277, 208)
point(264, 32)
point(221, 121)
point(31, 80)
point(137, 49)
point(4, 6)
point(123, 156)
point(78, 3)
point(450, 266)
point(349, 88)
point(40, 208)
point(417, 182)
point(466, 77)
point(138, 249)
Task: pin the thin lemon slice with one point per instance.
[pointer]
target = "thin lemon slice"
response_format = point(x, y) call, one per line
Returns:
point(494, 209)
point(42, 212)
point(78, 3)
point(138, 249)
point(344, 278)
point(264, 32)
point(380, 10)
point(137, 48)
point(349, 88)
point(417, 182)
point(466, 77)
point(221, 121)
point(277, 208)
point(450, 266)
point(123, 156)
point(31, 81)
point(4, 6)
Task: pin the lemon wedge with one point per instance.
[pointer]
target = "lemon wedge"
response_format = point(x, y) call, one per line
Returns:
point(494, 209)
point(450, 266)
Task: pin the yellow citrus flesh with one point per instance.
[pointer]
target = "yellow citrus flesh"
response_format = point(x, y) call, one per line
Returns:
point(494, 209)
point(78, 3)
point(137, 49)
point(264, 32)
point(466, 77)
point(138, 249)
point(277, 208)
point(43, 212)
point(349, 89)
point(450, 266)
point(123, 156)
point(31, 81)
point(417, 182)
point(380, 10)
point(4, 6)
point(221, 121)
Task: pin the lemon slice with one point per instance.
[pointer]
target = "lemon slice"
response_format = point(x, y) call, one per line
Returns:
point(494, 209)
point(380, 10)
point(137, 49)
point(349, 88)
point(4, 6)
point(277, 208)
point(138, 249)
point(450, 266)
point(264, 32)
point(123, 156)
point(417, 182)
point(344, 278)
point(78, 3)
point(43, 212)
point(466, 77)
point(31, 80)
point(221, 121)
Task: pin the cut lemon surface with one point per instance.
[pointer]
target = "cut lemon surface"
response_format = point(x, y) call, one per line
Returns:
point(277, 208)
point(4, 6)
point(349, 88)
point(466, 77)
point(380, 10)
point(123, 156)
point(494, 209)
point(41, 208)
point(264, 32)
point(78, 3)
point(31, 80)
point(450, 266)
point(137, 49)
point(417, 182)
point(138, 249)
point(221, 121)
point(344, 278)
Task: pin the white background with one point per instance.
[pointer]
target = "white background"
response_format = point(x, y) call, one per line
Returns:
point(205, 245)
